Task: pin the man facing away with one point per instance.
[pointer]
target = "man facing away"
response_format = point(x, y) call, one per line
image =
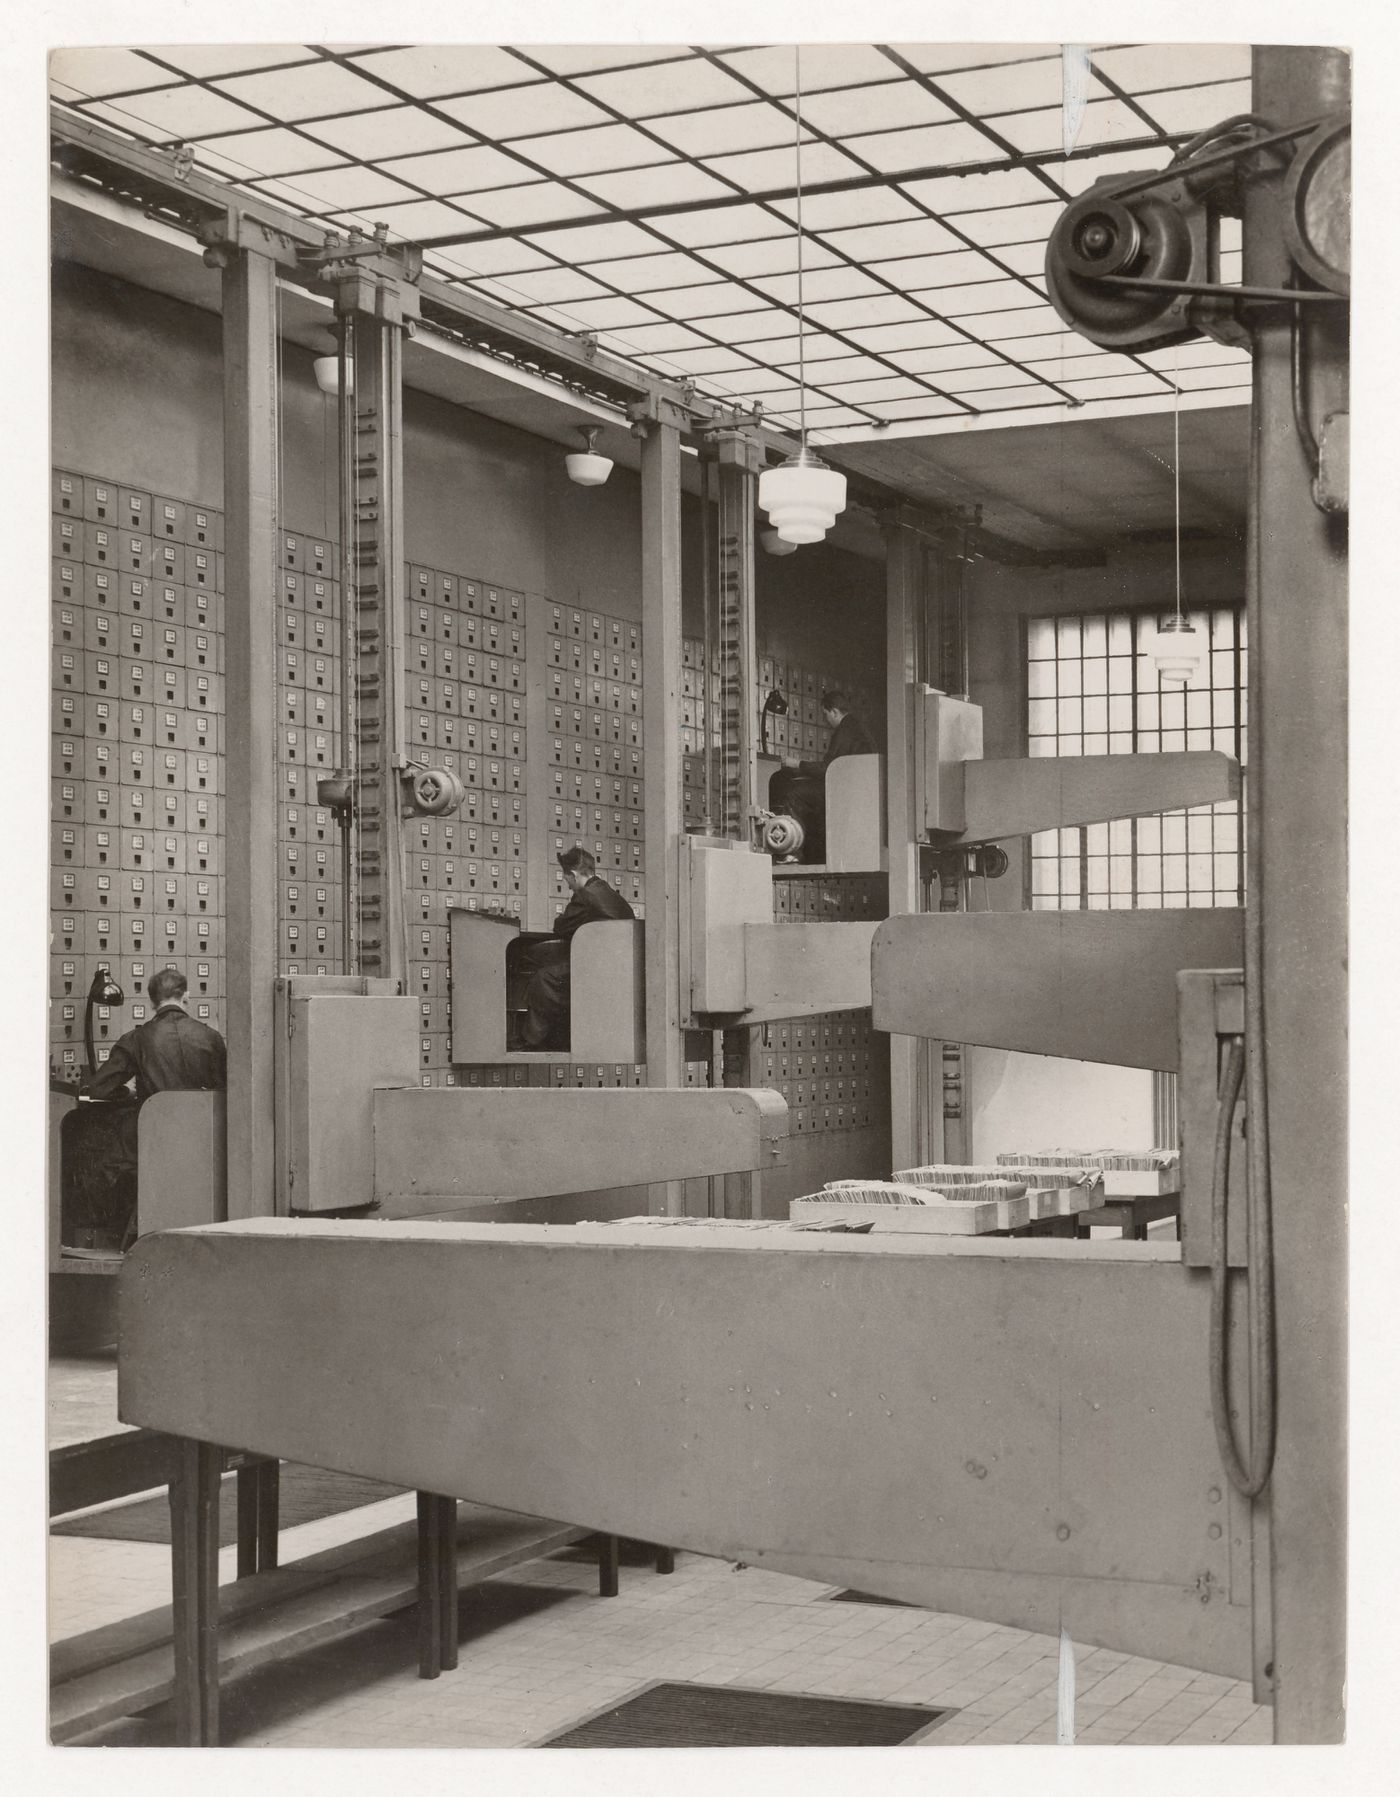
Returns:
point(801, 791)
point(173, 1052)
point(592, 900)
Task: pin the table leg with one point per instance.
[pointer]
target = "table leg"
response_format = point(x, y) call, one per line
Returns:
point(447, 1586)
point(429, 1588)
point(246, 1484)
point(607, 1566)
point(194, 1590)
point(269, 1491)
point(665, 1559)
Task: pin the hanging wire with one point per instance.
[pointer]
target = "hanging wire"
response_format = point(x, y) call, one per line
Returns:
point(1176, 471)
point(801, 308)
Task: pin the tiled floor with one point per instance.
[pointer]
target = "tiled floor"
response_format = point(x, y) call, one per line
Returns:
point(561, 1652)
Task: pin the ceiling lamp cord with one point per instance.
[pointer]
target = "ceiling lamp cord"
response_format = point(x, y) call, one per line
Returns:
point(801, 305)
point(803, 496)
point(1176, 472)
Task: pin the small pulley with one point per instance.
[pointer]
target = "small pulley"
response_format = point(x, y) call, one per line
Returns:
point(780, 835)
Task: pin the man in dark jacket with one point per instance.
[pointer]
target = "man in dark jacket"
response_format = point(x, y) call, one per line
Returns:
point(173, 1052)
point(547, 995)
point(800, 791)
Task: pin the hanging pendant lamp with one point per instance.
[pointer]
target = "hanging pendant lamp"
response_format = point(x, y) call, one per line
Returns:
point(802, 496)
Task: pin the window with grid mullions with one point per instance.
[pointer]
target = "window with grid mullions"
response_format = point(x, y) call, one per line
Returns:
point(1091, 689)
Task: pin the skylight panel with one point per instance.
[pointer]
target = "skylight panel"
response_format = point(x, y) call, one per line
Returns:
point(1203, 379)
point(672, 183)
point(519, 207)
point(911, 273)
point(1104, 121)
point(781, 351)
point(1011, 87)
point(880, 309)
point(992, 327)
point(940, 361)
point(970, 383)
point(271, 152)
point(922, 333)
point(585, 152)
point(1114, 387)
point(840, 282)
point(705, 302)
point(915, 236)
point(821, 417)
point(503, 256)
point(776, 255)
point(749, 327)
point(844, 367)
point(610, 314)
point(577, 59)
point(1193, 108)
point(175, 112)
point(638, 274)
point(663, 337)
point(211, 60)
point(862, 392)
point(981, 296)
point(424, 218)
point(104, 71)
point(927, 405)
point(1011, 224)
point(834, 211)
point(850, 111)
point(591, 243)
point(1143, 68)
point(765, 170)
point(823, 66)
point(336, 189)
point(470, 169)
point(394, 131)
point(724, 224)
point(310, 90)
point(952, 195)
point(933, 146)
point(934, 59)
point(429, 70)
point(668, 87)
point(1070, 368)
point(512, 112)
point(552, 286)
point(721, 130)
point(1009, 399)
point(712, 358)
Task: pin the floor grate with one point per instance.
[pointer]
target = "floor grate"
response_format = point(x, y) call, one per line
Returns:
point(667, 1714)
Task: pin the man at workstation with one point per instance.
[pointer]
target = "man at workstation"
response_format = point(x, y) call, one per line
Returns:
point(173, 1052)
point(547, 995)
point(800, 791)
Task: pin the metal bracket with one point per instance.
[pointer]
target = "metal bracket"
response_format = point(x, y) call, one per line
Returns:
point(236, 230)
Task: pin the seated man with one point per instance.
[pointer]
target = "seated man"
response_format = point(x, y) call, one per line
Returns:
point(547, 995)
point(173, 1052)
point(800, 791)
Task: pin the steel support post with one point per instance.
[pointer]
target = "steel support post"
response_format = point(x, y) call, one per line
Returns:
point(740, 463)
point(1297, 782)
point(914, 1135)
point(251, 437)
point(661, 681)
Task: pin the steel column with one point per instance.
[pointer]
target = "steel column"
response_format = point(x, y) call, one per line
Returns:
point(1298, 678)
point(251, 438)
point(740, 459)
point(914, 1135)
point(661, 669)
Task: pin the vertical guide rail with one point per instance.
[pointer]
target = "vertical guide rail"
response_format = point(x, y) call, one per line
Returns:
point(251, 402)
point(914, 1135)
point(661, 667)
point(374, 589)
point(740, 458)
point(1298, 670)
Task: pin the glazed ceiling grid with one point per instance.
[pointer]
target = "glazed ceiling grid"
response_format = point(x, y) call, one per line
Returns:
point(648, 194)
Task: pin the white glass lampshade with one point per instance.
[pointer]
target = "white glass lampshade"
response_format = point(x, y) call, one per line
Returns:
point(327, 372)
point(802, 497)
point(1177, 649)
point(774, 544)
point(588, 469)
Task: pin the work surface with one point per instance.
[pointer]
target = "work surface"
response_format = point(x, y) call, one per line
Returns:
point(1017, 1429)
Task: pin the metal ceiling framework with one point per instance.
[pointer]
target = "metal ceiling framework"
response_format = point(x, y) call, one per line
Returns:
point(643, 198)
